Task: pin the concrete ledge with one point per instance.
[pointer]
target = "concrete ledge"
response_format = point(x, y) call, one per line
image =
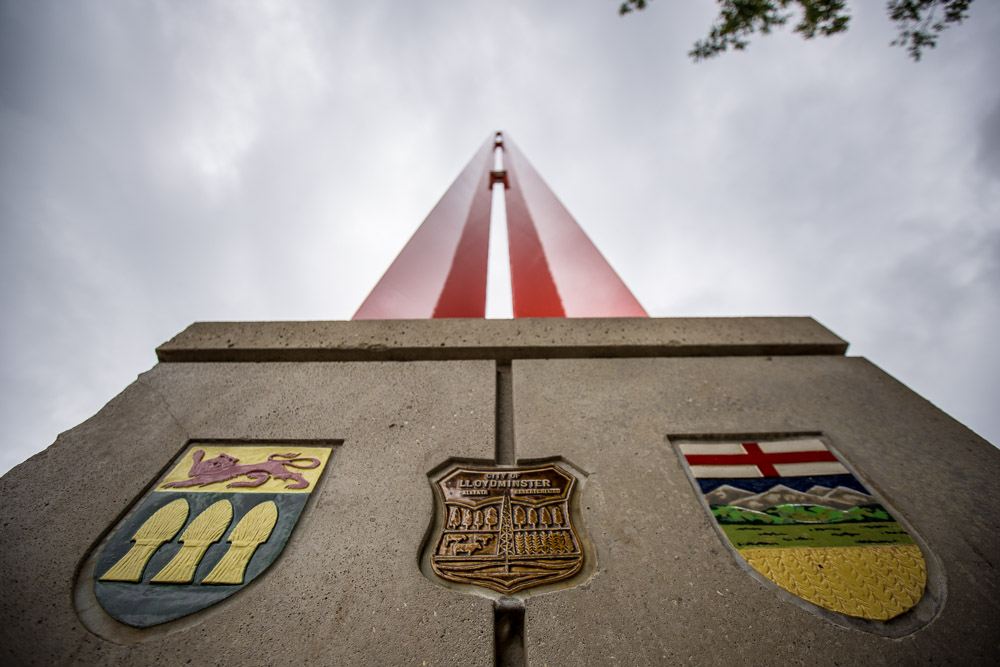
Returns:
point(415, 340)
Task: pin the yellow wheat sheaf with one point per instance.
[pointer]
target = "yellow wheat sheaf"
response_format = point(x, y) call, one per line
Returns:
point(253, 530)
point(157, 530)
point(878, 582)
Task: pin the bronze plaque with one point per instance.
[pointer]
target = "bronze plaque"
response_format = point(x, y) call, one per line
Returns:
point(507, 528)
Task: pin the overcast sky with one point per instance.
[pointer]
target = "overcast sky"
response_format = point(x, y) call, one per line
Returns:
point(169, 162)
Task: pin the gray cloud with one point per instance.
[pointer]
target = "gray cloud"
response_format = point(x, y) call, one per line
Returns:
point(168, 163)
point(989, 146)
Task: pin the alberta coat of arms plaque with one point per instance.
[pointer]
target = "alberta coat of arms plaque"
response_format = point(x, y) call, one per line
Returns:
point(505, 528)
point(799, 517)
point(216, 521)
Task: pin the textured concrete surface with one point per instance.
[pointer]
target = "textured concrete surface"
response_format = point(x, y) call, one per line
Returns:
point(405, 340)
point(668, 590)
point(346, 590)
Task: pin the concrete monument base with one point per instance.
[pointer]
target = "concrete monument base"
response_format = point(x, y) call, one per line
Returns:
point(608, 399)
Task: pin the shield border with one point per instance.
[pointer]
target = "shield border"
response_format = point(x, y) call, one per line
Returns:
point(908, 622)
point(90, 612)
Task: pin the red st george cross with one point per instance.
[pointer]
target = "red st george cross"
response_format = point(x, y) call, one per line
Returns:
point(755, 456)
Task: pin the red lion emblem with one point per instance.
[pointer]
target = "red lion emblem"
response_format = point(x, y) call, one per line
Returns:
point(224, 467)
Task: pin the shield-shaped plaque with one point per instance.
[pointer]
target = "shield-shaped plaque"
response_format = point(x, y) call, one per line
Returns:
point(505, 528)
point(800, 518)
point(214, 523)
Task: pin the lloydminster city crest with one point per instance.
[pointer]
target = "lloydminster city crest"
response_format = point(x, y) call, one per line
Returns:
point(505, 528)
point(214, 523)
point(802, 520)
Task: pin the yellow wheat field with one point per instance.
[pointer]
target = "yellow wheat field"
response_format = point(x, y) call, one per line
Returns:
point(878, 582)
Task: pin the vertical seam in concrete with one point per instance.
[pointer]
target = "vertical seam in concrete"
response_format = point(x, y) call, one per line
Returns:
point(508, 612)
point(508, 633)
point(505, 452)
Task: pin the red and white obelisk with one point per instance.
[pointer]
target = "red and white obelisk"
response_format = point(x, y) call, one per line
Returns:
point(555, 269)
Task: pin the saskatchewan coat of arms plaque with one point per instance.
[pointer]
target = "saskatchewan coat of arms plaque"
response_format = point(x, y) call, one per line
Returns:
point(800, 518)
point(505, 528)
point(212, 524)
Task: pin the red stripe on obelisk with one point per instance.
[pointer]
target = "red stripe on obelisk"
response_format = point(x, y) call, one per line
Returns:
point(765, 462)
point(441, 271)
point(464, 292)
point(556, 271)
point(533, 291)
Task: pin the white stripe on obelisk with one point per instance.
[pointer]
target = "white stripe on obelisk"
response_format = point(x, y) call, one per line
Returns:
point(499, 298)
